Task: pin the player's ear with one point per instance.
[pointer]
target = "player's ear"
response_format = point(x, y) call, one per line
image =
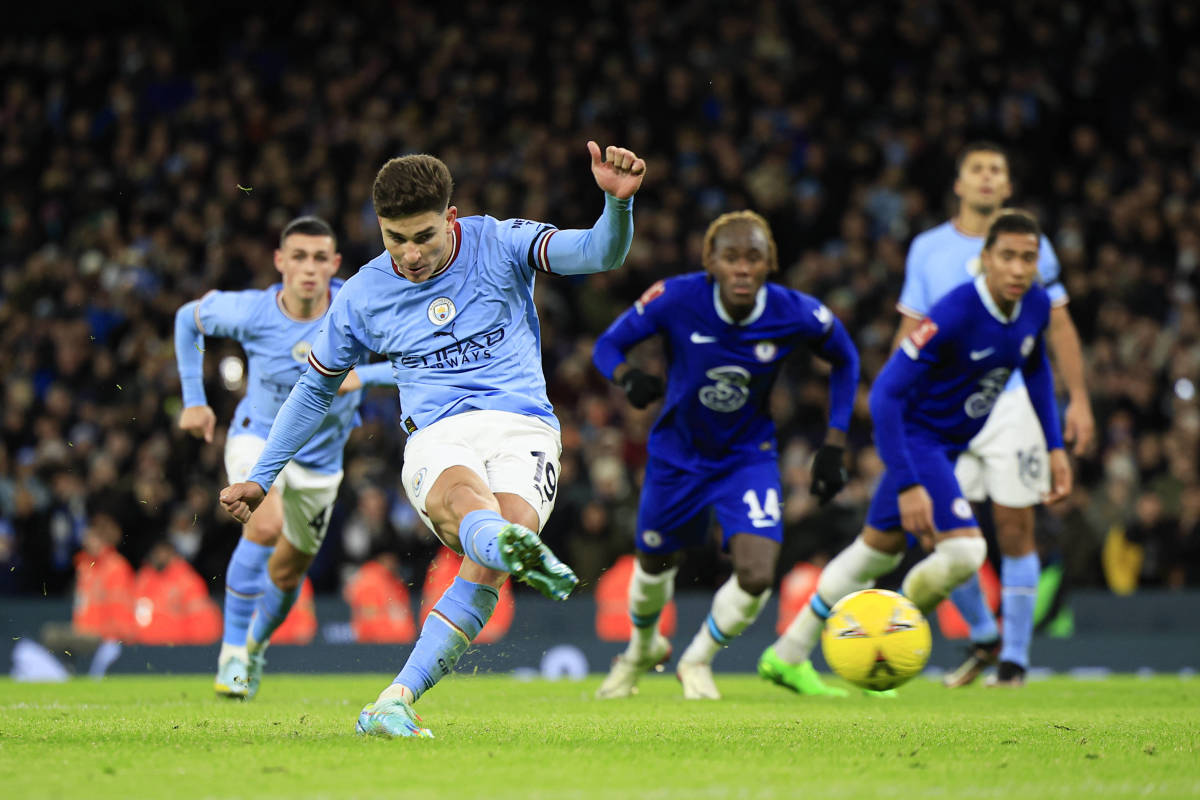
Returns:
point(279, 261)
point(451, 214)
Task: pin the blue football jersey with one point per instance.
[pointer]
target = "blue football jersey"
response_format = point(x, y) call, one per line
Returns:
point(721, 372)
point(277, 348)
point(943, 258)
point(466, 339)
point(940, 386)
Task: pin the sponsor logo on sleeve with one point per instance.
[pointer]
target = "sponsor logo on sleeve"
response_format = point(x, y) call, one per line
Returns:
point(648, 296)
point(924, 332)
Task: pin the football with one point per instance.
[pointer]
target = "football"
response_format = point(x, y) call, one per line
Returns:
point(876, 639)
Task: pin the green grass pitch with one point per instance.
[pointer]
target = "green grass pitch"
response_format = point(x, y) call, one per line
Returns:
point(133, 737)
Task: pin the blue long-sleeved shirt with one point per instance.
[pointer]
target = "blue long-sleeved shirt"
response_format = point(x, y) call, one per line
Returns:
point(466, 339)
point(721, 372)
point(940, 386)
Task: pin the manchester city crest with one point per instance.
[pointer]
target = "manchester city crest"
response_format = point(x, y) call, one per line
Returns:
point(441, 311)
point(418, 481)
point(300, 351)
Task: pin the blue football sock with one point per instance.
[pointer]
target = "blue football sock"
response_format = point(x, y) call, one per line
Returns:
point(478, 533)
point(244, 579)
point(449, 629)
point(271, 611)
point(1019, 577)
point(969, 600)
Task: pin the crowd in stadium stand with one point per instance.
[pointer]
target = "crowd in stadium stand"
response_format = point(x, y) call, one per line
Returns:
point(139, 170)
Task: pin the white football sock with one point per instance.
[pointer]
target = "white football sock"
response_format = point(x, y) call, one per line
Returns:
point(733, 609)
point(228, 651)
point(648, 596)
point(397, 690)
point(852, 570)
point(952, 561)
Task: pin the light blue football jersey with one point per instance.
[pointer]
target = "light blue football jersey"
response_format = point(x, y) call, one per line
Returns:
point(943, 258)
point(466, 339)
point(277, 347)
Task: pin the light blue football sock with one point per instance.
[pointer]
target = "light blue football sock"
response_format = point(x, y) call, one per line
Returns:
point(449, 629)
point(478, 533)
point(244, 579)
point(271, 611)
point(969, 600)
point(1019, 577)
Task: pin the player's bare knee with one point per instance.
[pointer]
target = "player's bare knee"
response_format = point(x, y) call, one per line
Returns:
point(1014, 530)
point(656, 564)
point(263, 532)
point(755, 579)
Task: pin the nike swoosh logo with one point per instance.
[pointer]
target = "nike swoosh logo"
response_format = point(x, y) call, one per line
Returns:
point(978, 354)
point(699, 338)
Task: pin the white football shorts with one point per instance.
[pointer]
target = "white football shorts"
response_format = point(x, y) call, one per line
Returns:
point(308, 495)
point(1007, 459)
point(512, 453)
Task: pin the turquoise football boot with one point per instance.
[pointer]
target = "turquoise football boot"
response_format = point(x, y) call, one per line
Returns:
point(392, 719)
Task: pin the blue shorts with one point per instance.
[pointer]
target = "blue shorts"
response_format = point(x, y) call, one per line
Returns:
point(935, 471)
point(677, 505)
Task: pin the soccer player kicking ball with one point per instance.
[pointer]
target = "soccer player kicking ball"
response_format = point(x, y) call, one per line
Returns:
point(713, 448)
point(1006, 460)
point(276, 327)
point(927, 403)
point(450, 302)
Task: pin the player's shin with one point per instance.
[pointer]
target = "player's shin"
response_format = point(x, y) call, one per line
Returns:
point(449, 629)
point(1019, 577)
point(244, 580)
point(270, 612)
point(648, 596)
point(952, 561)
point(733, 610)
point(972, 604)
point(852, 570)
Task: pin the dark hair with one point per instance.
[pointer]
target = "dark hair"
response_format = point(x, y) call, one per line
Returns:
point(309, 226)
point(1012, 220)
point(411, 185)
point(729, 218)
point(981, 146)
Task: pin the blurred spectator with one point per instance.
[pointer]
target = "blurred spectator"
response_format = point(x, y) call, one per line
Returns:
point(380, 603)
point(171, 601)
point(138, 170)
point(104, 584)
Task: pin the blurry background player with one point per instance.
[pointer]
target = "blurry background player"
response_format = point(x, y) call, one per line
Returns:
point(451, 303)
point(1006, 461)
point(276, 327)
point(933, 395)
point(712, 449)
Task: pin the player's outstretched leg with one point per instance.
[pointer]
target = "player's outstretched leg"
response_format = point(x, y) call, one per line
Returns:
point(451, 626)
point(494, 542)
point(1019, 575)
point(648, 596)
point(733, 610)
point(787, 661)
point(985, 635)
point(244, 579)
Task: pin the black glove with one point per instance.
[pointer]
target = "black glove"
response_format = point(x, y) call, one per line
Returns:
point(640, 388)
point(828, 472)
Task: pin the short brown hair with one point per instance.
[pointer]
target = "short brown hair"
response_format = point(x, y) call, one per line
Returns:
point(979, 146)
point(1012, 220)
point(411, 185)
point(710, 236)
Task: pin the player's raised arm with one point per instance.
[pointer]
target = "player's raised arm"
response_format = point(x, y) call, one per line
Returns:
point(603, 246)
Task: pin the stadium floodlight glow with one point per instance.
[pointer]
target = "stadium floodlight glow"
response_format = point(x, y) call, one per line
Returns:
point(1185, 390)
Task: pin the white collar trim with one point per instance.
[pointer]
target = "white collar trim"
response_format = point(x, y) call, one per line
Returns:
point(989, 302)
point(760, 305)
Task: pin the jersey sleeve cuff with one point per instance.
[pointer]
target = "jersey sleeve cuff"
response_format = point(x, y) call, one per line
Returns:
point(908, 312)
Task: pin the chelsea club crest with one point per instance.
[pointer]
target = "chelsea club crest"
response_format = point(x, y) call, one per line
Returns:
point(441, 311)
point(765, 351)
